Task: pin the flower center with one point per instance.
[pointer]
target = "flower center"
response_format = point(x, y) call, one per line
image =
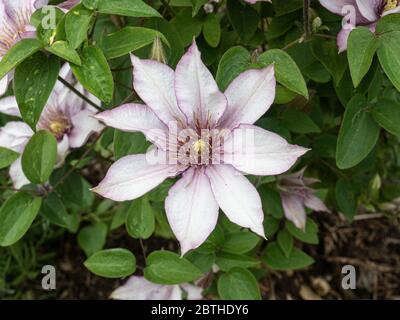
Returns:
point(59, 127)
point(199, 146)
point(390, 4)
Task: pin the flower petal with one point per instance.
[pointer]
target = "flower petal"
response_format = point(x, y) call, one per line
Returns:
point(336, 6)
point(17, 175)
point(196, 90)
point(256, 151)
point(294, 209)
point(193, 292)
point(84, 124)
point(9, 106)
point(237, 197)
point(369, 9)
point(4, 85)
point(62, 150)
point(154, 83)
point(133, 176)
point(342, 38)
point(192, 210)
point(249, 96)
point(136, 117)
point(314, 203)
point(138, 288)
point(15, 135)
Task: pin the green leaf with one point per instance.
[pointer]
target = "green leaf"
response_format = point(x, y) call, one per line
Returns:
point(77, 22)
point(388, 23)
point(244, 19)
point(286, 70)
point(129, 39)
point(240, 242)
point(387, 113)
point(361, 48)
point(54, 210)
point(126, 143)
point(309, 235)
point(226, 261)
point(18, 53)
point(285, 241)
point(358, 134)
point(165, 267)
point(327, 53)
point(7, 157)
point(389, 46)
point(64, 51)
point(16, 216)
point(233, 62)
point(284, 95)
point(197, 5)
point(95, 74)
point(346, 198)
point(140, 222)
point(188, 27)
point(271, 226)
point(92, 238)
point(238, 284)
point(271, 201)
point(274, 257)
point(34, 81)
point(212, 30)
point(90, 4)
point(299, 122)
point(39, 157)
point(130, 8)
point(112, 263)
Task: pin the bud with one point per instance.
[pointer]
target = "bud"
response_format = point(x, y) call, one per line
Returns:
point(316, 24)
point(375, 186)
point(157, 51)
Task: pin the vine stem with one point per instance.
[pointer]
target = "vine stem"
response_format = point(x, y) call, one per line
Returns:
point(306, 19)
point(79, 94)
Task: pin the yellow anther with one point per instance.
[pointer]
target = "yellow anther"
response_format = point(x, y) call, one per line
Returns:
point(199, 146)
point(390, 4)
point(57, 127)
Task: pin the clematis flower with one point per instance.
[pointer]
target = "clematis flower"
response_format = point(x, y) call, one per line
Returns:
point(15, 16)
point(138, 288)
point(296, 195)
point(359, 13)
point(66, 116)
point(208, 148)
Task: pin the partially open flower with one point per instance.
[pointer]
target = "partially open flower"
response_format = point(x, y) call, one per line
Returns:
point(359, 13)
point(138, 288)
point(66, 116)
point(207, 136)
point(296, 195)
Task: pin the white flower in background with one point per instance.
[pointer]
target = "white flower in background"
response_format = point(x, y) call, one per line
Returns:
point(15, 17)
point(296, 195)
point(66, 116)
point(190, 100)
point(138, 288)
point(359, 13)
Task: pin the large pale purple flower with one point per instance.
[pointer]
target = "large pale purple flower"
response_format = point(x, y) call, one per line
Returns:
point(297, 194)
point(208, 147)
point(66, 116)
point(15, 16)
point(138, 288)
point(359, 13)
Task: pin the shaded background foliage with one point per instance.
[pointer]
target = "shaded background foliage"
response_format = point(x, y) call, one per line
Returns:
point(345, 107)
